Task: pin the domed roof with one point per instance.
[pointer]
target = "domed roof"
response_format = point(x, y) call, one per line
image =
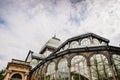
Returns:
point(52, 43)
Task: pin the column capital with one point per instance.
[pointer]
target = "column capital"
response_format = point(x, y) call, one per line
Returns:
point(27, 73)
point(9, 71)
point(56, 68)
point(88, 63)
point(69, 65)
point(110, 61)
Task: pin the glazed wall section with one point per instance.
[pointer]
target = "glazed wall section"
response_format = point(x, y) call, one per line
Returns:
point(96, 65)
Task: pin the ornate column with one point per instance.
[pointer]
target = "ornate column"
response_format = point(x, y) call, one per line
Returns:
point(56, 72)
point(26, 75)
point(45, 76)
point(8, 75)
point(111, 64)
point(69, 71)
point(89, 70)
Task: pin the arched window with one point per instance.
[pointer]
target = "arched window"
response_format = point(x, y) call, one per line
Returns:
point(42, 73)
point(100, 68)
point(85, 42)
point(74, 44)
point(62, 73)
point(79, 70)
point(50, 71)
point(96, 42)
point(16, 77)
point(116, 59)
point(66, 46)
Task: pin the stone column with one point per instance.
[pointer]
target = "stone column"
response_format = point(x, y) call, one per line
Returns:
point(44, 76)
point(69, 71)
point(8, 75)
point(56, 75)
point(89, 70)
point(26, 76)
point(56, 72)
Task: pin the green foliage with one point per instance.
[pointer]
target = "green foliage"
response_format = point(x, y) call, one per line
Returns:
point(2, 72)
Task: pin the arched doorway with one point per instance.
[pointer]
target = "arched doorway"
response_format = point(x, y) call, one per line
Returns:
point(79, 70)
point(16, 77)
point(62, 72)
point(50, 75)
point(100, 68)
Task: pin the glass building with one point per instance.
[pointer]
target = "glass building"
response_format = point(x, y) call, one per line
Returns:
point(84, 57)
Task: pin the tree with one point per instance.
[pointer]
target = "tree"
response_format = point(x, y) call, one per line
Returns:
point(2, 72)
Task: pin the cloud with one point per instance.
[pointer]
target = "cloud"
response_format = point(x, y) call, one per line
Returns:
point(75, 1)
point(30, 23)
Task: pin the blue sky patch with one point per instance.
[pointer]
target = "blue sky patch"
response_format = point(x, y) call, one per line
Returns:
point(74, 19)
point(2, 21)
point(76, 1)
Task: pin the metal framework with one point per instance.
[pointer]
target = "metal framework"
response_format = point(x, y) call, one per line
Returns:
point(85, 57)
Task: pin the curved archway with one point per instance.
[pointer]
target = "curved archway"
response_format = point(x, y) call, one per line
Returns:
point(79, 70)
point(16, 76)
point(50, 75)
point(100, 68)
point(74, 44)
point(62, 72)
point(85, 42)
point(42, 72)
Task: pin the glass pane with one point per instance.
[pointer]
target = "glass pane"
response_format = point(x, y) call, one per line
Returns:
point(74, 44)
point(50, 75)
point(79, 70)
point(62, 73)
point(116, 59)
point(100, 68)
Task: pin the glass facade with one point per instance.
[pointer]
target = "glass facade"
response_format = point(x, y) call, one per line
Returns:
point(81, 58)
point(79, 68)
point(100, 68)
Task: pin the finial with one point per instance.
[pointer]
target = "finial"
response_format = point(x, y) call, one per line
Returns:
point(55, 35)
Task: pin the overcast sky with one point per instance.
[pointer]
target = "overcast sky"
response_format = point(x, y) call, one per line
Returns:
point(27, 24)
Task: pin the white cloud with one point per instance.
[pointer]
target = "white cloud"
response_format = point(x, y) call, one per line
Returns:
point(30, 23)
